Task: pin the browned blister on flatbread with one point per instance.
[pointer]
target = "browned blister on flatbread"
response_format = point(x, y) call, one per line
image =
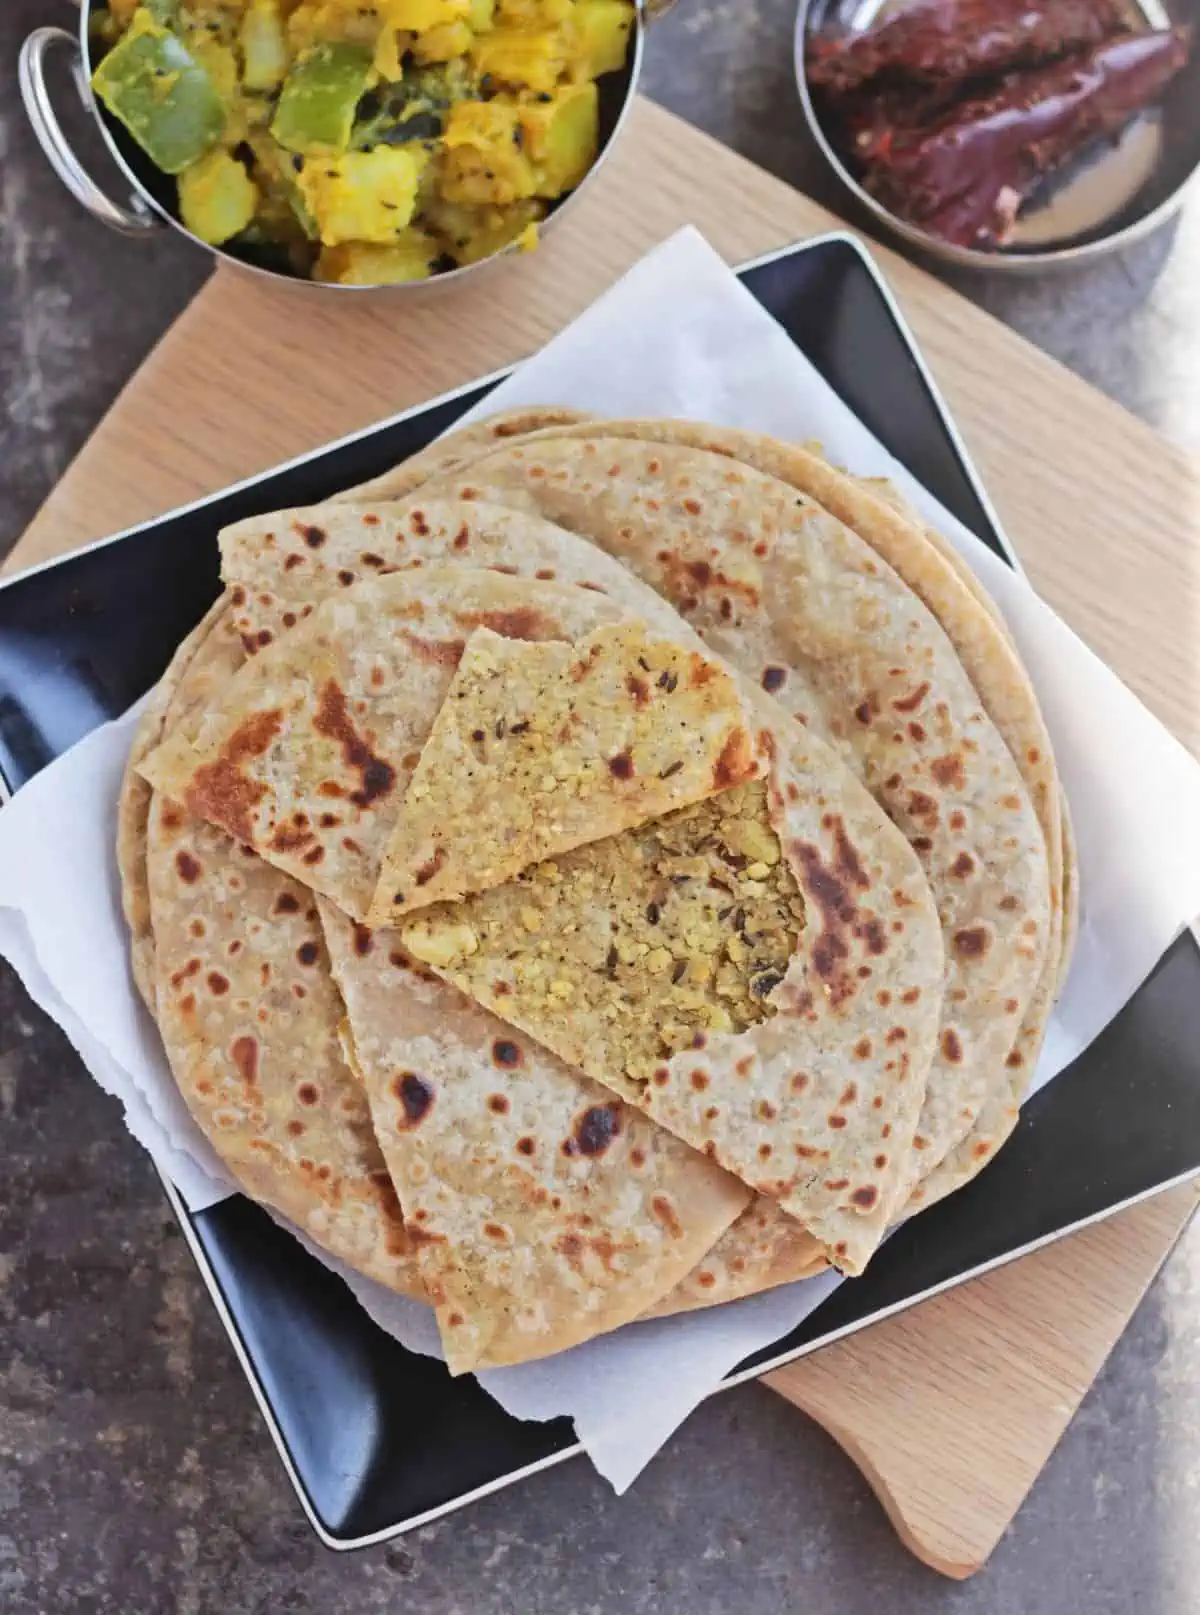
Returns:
point(538, 749)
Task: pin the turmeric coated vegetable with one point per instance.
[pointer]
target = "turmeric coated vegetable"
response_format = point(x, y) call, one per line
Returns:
point(560, 136)
point(320, 95)
point(160, 92)
point(365, 142)
point(217, 198)
point(366, 196)
point(412, 256)
point(264, 45)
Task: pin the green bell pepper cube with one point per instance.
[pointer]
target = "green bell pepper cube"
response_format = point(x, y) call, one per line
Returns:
point(160, 92)
point(320, 95)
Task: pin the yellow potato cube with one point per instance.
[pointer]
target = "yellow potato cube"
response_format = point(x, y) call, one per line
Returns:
point(532, 13)
point(602, 30)
point(561, 136)
point(390, 49)
point(421, 15)
point(323, 22)
point(217, 198)
point(443, 43)
point(484, 161)
point(358, 263)
point(473, 233)
point(362, 195)
point(265, 53)
point(524, 58)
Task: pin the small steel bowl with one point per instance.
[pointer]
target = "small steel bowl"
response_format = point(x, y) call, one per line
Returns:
point(152, 203)
point(1099, 203)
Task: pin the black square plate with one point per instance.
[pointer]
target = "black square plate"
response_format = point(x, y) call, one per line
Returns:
point(377, 1440)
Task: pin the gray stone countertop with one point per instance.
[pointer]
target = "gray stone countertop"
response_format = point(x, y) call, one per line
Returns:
point(135, 1474)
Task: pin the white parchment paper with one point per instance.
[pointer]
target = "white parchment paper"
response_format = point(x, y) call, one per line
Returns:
point(678, 336)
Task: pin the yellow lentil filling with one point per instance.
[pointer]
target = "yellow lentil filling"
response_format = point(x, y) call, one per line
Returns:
point(683, 925)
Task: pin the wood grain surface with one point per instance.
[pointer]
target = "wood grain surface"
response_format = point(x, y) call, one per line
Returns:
point(952, 1408)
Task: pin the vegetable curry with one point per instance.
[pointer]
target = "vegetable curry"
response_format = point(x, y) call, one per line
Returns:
point(364, 143)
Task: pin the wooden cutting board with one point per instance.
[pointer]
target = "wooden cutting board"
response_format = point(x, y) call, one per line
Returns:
point(952, 1408)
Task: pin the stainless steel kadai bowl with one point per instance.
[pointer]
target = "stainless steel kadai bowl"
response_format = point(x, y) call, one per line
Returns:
point(151, 204)
point(1107, 199)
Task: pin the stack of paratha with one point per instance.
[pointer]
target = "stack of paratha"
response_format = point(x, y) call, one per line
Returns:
point(601, 869)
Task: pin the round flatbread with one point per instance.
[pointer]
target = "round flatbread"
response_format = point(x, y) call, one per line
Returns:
point(275, 572)
point(210, 654)
point(786, 592)
point(457, 449)
point(236, 973)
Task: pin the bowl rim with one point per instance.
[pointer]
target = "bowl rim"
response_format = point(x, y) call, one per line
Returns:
point(631, 69)
point(1000, 259)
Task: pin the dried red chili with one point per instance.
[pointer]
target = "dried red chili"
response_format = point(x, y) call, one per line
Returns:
point(965, 176)
point(945, 42)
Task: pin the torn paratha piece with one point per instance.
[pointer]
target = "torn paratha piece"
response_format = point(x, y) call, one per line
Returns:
point(538, 749)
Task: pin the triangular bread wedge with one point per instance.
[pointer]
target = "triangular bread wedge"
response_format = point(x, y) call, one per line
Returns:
point(539, 748)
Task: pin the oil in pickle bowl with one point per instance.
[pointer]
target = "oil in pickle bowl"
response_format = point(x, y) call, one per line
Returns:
point(339, 144)
point(1004, 134)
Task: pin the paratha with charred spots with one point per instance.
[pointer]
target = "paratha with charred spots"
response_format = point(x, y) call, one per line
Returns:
point(307, 752)
point(543, 1210)
point(796, 600)
point(234, 967)
point(760, 973)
